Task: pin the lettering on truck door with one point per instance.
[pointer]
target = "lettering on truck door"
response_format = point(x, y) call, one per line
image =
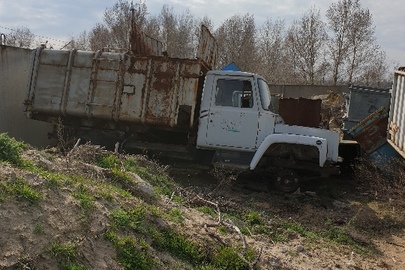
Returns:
point(233, 117)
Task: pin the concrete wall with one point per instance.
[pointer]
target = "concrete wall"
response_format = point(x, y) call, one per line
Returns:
point(306, 91)
point(14, 71)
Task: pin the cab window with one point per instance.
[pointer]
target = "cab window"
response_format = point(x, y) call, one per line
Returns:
point(234, 93)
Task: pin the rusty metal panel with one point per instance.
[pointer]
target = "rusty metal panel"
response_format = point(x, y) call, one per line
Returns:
point(170, 84)
point(397, 112)
point(134, 90)
point(371, 132)
point(142, 44)
point(115, 88)
point(300, 112)
point(207, 48)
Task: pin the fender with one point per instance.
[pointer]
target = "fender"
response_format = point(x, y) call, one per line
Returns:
point(320, 143)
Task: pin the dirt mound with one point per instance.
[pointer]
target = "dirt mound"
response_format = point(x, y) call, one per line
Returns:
point(93, 209)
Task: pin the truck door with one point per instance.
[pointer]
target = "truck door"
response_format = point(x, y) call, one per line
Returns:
point(233, 114)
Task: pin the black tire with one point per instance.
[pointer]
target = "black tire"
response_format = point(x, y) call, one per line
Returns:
point(287, 181)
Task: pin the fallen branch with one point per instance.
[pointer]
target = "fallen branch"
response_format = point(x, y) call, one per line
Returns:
point(232, 226)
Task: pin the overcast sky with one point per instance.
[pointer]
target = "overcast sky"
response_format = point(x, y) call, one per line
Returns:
point(57, 20)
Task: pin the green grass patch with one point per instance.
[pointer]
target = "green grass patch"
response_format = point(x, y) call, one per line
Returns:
point(228, 258)
point(175, 215)
point(85, 198)
point(109, 161)
point(22, 190)
point(178, 245)
point(152, 173)
point(66, 255)
point(207, 210)
point(38, 229)
point(133, 218)
point(131, 252)
point(121, 177)
point(254, 218)
point(10, 150)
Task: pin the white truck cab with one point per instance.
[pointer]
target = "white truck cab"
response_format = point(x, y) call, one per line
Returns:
point(237, 120)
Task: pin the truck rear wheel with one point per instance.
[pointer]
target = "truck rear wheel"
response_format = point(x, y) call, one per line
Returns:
point(287, 181)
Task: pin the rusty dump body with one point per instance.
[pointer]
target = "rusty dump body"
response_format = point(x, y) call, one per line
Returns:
point(117, 89)
point(127, 92)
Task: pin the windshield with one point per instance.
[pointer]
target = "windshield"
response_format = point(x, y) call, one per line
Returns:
point(264, 94)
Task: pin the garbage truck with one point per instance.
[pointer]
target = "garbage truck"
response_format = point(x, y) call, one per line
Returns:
point(176, 106)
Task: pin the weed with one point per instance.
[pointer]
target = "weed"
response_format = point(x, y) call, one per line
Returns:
point(178, 245)
point(175, 215)
point(151, 172)
point(295, 227)
point(110, 189)
point(223, 230)
point(228, 258)
point(105, 193)
point(154, 210)
point(65, 253)
point(128, 219)
point(121, 177)
point(85, 198)
point(131, 253)
point(207, 210)
point(38, 229)
point(22, 190)
point(10, 149)
point(53, 179)
point(120, 218)
point(254, 218)
point(109, 161)
point(261, 229)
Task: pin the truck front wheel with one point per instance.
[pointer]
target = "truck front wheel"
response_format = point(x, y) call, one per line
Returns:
point(286, 181)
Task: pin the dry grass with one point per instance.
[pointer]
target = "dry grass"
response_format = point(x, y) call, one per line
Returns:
point(387, 184)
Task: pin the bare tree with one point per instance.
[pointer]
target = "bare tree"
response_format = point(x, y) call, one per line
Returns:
point(21, 37)
point(178, 32)
point(353, 45)
point(99, 37)
point(80, 42)
point(236, 40)
point(376, 72)
point(362, 43)
point(115, 30)
point(152, 27)
point(338, 15)
point(272, 53)
point(208, 23)
point(307, 39)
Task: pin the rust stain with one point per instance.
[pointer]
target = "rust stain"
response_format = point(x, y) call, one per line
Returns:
point(142, 44)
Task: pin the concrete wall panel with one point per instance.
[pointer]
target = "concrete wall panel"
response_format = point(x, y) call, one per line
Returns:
point(14, 74)
point(306, 91)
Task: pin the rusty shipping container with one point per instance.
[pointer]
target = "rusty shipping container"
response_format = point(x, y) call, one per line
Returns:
point(121, 91)
point(396, 136)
